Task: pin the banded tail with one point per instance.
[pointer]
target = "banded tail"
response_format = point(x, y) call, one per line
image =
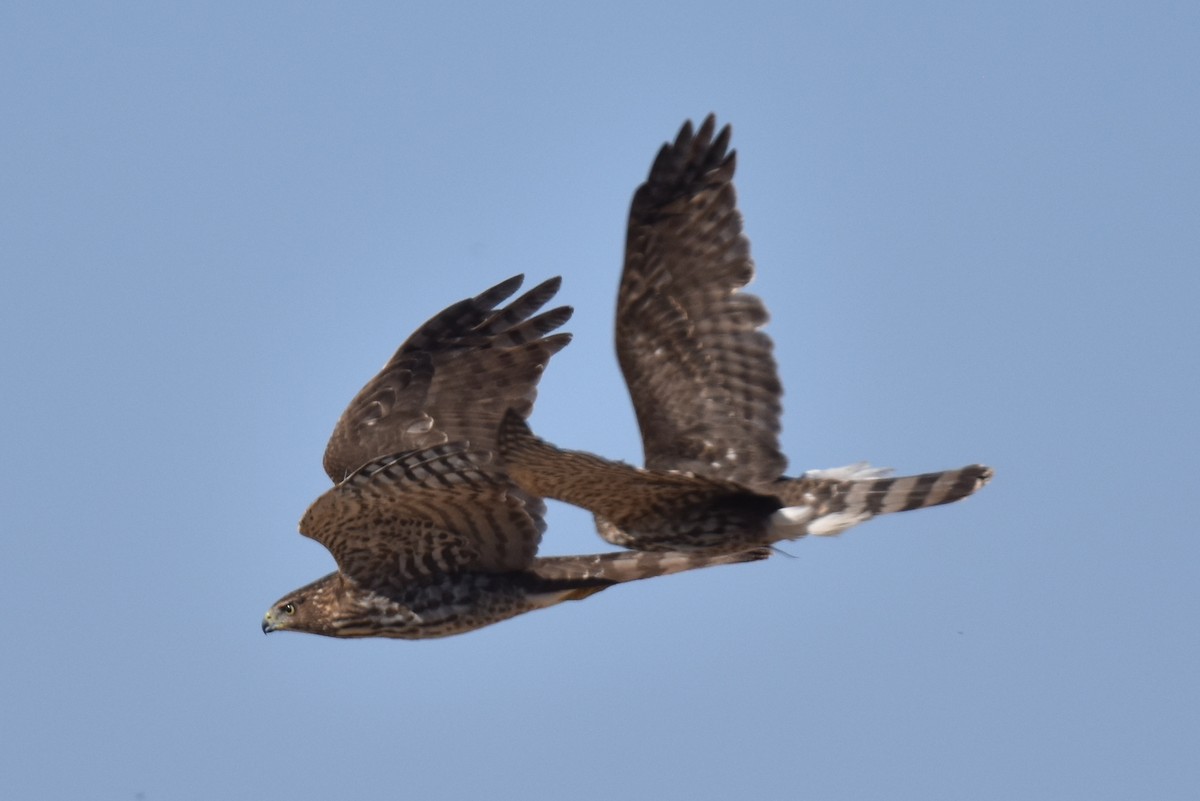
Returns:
point(827, 502)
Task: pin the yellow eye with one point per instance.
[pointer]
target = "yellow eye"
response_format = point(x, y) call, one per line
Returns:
point(289, 609)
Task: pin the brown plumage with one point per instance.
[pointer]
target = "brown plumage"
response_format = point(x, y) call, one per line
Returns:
point(704, 385)
point(430, 535)
point(453, 378)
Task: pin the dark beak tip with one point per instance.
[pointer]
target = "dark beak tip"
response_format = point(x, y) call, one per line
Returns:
point(266, 627)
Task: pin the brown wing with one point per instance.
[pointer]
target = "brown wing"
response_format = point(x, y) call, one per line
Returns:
point(413, 516)
point(453, 379)
point(699, 369)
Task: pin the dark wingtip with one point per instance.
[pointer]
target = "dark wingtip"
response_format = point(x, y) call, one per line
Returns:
point(537, 297)
point(557, 342)
point(703, 139)
point(490, 297)
point(684, 137)
point(696, 156)
point(547, 321)
point(721, 143)
point(552, 284)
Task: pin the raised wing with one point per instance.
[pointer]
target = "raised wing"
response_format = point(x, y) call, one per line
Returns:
point(453, 379)
point(699, 370)
point(414, 516)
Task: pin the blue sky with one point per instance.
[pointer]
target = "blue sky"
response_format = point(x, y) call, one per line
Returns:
point(976, 227)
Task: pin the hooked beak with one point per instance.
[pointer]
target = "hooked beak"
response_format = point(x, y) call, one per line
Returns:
point(268, 625)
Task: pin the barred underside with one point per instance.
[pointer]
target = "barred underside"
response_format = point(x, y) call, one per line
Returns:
point(413, 516)
point(449, 605)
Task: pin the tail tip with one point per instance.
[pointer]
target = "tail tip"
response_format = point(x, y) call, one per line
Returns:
point(982, 475)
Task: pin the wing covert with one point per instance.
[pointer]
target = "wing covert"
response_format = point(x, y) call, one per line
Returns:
point(413, 516)
point(453, 378)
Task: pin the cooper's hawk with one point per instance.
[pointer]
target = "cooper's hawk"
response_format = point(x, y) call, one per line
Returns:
point(705, 389)
point(430, 535)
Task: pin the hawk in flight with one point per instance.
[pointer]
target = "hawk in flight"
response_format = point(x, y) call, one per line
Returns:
point(705, 388)
point(430, 535)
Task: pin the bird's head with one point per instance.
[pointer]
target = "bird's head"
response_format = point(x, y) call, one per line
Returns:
point(305, 609)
